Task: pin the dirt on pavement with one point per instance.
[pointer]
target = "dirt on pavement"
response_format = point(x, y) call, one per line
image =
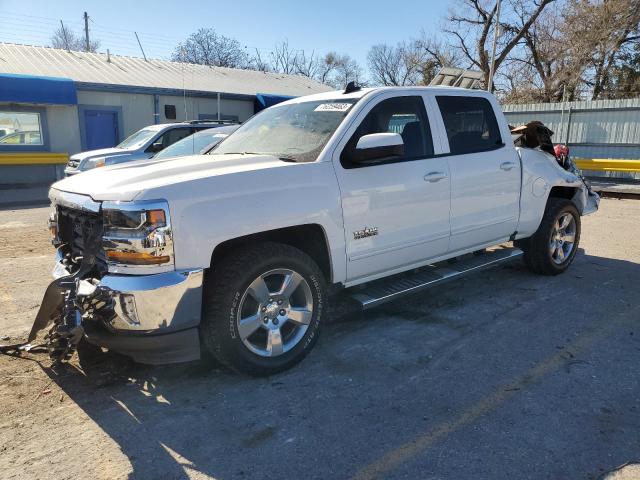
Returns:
point(501, 375)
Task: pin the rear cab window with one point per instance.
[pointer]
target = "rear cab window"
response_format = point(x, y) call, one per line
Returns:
point(470, 123)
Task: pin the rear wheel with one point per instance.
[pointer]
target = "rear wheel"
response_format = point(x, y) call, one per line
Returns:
point(263, 306)
point(553, 247)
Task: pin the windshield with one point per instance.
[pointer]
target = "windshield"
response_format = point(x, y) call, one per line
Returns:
point(138, 139)
point(293, 132)
point(192, 144)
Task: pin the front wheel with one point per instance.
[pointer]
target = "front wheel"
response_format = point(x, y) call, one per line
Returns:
point(262, 308)
point(553, 247)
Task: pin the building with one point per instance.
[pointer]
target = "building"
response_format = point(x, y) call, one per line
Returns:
point(54, 103)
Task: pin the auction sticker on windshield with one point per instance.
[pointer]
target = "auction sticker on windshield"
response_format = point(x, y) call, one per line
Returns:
point(333, 107)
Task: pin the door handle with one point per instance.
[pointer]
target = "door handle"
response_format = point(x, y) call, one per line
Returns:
point(506, 166)
point(433, 177)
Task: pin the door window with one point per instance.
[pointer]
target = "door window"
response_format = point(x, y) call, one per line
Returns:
point(470, 123)
point(403, 115)
point(173, 135)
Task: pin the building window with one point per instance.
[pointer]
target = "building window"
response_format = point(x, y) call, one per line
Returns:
point(170, 112)
point(20, 128)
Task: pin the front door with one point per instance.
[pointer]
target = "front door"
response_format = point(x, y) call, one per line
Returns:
point(485, 173)
point(101, 129)
point(396, 212)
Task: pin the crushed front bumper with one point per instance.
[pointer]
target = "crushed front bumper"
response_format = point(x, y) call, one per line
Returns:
point(152, 318)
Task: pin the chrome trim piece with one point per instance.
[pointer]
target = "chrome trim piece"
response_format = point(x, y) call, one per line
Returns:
point(157, 242)
point(74, 201)
point(163, 301)
point(147, 303)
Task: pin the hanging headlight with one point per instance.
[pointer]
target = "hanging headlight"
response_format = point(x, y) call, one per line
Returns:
point(137, 234)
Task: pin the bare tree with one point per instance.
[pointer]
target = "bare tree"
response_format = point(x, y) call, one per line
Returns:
point(471, 27)
point(436, 55)
point(64, 38)
point(283, 58)
point(400, 65)
point(307, 65)
point(552, 63)
point(332, 69)
point(574, 51)
point(624, 79)
point(441, 53)
point(346, 69)
point(207, 47)
point(327, 66)
point(608, 29)
point(257, 62)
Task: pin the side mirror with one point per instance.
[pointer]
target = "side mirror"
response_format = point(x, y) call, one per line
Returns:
point(156, 147)
point(378, 146)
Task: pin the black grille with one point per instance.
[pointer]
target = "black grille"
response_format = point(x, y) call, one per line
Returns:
point(75, 228)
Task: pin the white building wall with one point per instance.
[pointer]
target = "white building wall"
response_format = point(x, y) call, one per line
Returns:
point(197, 106)
point(64, 129)
point(137, 108)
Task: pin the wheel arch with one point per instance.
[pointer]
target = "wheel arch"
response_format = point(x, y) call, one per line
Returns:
point(571, 193)
point(310, 238)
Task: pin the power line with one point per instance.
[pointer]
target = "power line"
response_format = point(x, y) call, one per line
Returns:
point(163, 41)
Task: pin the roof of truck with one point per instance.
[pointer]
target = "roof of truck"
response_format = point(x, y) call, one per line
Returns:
point(338, 94)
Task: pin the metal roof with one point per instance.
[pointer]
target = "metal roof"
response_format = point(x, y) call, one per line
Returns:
point(97, 68)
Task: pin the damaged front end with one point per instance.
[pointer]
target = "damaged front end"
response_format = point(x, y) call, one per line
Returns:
point(116, 284)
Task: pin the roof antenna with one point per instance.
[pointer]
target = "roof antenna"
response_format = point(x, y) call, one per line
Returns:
point(351, 87)
point(141, 49)
point(64, 35)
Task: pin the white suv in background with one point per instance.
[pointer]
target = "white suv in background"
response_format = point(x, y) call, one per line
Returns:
point(143, 144)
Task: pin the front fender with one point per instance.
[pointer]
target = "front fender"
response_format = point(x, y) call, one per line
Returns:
point(209, 211)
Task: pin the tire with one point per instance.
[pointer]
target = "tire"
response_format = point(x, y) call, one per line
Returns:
point(231, 292)
point(544, 252)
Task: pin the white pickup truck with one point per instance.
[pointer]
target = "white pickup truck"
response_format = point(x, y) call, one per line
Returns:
point(231, 253)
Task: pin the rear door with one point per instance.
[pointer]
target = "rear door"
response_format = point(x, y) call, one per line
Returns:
point(485, 172)
point(396, 212)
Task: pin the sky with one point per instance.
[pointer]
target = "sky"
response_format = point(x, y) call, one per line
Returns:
point(344, 26)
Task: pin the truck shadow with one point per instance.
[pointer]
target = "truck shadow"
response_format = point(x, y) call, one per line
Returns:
point(319, 419)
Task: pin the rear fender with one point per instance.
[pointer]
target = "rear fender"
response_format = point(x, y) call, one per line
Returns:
point(543, 178)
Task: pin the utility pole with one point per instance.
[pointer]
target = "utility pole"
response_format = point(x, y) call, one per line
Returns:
point(87, 45)
point(496, 32)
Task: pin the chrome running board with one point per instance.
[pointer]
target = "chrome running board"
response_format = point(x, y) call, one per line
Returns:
point(384, 290)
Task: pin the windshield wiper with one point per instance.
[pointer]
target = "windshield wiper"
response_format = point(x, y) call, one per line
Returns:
point(237, 153)
point(286, 158)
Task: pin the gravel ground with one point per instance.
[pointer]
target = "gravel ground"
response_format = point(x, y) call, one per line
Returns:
point(501, 375)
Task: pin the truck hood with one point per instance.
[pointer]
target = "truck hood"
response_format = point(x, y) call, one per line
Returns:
point(103, 152)
point(128, 181)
